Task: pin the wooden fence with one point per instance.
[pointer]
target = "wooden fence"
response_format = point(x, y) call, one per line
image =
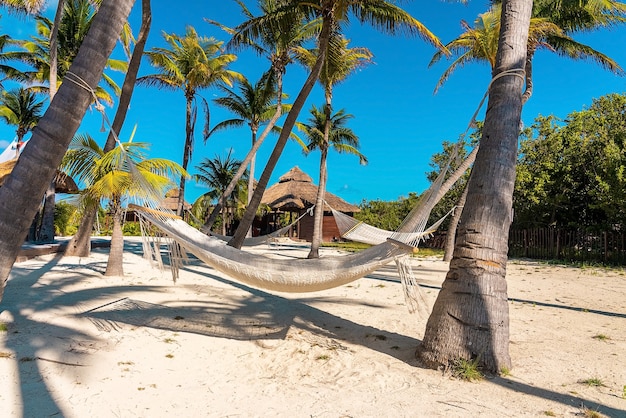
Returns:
point(569, 245)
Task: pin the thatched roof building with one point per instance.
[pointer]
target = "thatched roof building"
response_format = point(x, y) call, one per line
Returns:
point(295, 193)
point(171, 201)
point(64, 183)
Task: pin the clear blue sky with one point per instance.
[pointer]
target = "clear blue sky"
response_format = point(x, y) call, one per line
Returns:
point(399, 121)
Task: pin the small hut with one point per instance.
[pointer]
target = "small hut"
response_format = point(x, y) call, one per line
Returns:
point(63, 182)
point(295, 193)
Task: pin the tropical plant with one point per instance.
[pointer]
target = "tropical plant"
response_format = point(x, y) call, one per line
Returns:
point(24, 6)
point(324, 134)
point(470, 318)
point(217, 174)
point(547, 32)
point(189, 63)
point(21, 108)
point(21, 193)
point(36, 53)
point(382, 14)
point(124, 173)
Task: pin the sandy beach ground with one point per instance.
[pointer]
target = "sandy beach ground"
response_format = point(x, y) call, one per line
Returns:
point(79, 344)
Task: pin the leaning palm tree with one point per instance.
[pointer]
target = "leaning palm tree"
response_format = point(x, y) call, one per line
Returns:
point(340, 62)
point(324, 134)
point(277, 43)
point(21, 108)
point(21, 193)
point(121, 174)
point(382, 14)
point(479, 43)
point(190, 63)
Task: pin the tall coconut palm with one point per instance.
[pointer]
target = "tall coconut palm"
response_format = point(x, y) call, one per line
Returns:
point(20, 107)
point(470, 318)
point(381, 14)
point(120, 174)
point(217, 174)
point(479, 43)
point(190, 63)
point(21, 193)
point(80, 244)
point(277, 42)
point(339, 63)
point(324, 134)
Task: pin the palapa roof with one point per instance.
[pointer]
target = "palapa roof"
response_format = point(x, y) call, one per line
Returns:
point(64, 183)
point(295, 191)
point(171, 201)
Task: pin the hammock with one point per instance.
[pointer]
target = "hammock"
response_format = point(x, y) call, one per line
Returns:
point(354, 230)
point(306, 275)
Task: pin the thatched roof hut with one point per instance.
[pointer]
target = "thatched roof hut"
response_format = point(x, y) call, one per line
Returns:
point(295, 191)
point(171, 201)
point(64, 183)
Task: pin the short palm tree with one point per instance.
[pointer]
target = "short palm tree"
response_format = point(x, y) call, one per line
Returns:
point(21, 108)
point(217, 174)
point(381, 14)
point(189, 63)
point(120, 174)
point(480, 43)
point(324, 134)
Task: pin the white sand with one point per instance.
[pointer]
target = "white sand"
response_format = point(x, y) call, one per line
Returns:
point(210, 347)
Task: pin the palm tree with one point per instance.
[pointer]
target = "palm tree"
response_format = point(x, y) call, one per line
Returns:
point(21, 193)
point(380, 13)
point(20, 107)
point(122, 173)
point(253, 107)
point(80, 244)
point(74, 24)
point(339, 63)
point(277, 43)
point(549, 33)
point(189, 64)
point(324, 134)
point(24, 6)
point(470, 318)
point(217, 174)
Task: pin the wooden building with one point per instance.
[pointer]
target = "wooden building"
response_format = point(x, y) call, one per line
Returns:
point(295, 194)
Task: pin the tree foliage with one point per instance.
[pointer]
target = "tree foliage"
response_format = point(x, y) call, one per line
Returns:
point(572, 173)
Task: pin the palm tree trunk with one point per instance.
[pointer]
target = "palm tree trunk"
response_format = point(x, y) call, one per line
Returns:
point(248, 217)
point(454, 223)
point(470, 318)
point(115, 264)
point(46, 233)
point(22, 191)
point(54, 41)
point(186, 154)
point(318, 217)
point(251, 178)
point(250, 156)
point(80, 244)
